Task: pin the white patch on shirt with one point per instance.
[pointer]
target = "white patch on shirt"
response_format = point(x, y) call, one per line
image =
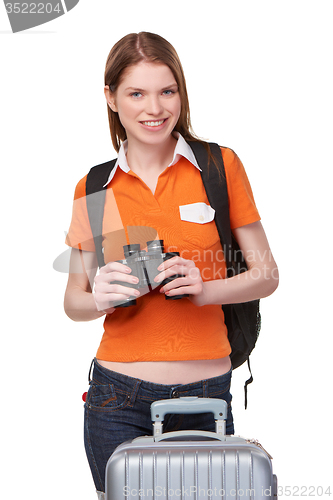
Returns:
point(200, 213)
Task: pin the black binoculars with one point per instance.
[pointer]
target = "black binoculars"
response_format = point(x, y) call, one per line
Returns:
point(144, 266)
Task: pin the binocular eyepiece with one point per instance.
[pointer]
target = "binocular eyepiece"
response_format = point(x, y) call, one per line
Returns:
point(144, 266)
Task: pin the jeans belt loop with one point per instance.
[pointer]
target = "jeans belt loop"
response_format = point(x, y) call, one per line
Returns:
point(134, 393)
point(205, 393)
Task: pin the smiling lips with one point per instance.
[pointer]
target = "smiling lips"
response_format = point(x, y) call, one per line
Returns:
point(156, 123)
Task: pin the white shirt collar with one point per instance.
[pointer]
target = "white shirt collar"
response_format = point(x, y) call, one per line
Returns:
point(181, 149)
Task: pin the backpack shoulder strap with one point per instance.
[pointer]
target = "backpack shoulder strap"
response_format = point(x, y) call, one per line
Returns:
point(95, 199)
point(243, 319)
point(215, 184)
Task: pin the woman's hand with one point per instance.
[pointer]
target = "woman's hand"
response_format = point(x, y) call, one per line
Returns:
point(107, 288)
point(190, 283)
point(260, 280)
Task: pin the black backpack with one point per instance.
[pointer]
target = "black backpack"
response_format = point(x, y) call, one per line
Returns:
point(243, 320)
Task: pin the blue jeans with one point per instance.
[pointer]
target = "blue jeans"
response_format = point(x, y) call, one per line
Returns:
point(117, 409)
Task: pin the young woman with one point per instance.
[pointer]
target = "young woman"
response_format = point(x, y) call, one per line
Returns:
point(158, 348)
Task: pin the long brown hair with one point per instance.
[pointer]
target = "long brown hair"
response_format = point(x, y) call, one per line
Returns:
point(149, 47)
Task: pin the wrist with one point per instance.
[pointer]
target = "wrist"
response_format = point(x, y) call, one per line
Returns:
point(108, 310)
point(202, 298)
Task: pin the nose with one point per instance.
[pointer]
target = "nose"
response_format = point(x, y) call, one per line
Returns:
point(154, 106)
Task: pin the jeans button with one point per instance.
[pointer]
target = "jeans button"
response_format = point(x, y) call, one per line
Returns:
point(175, 393)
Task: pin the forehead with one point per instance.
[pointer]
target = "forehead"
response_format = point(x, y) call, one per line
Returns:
point(147, 74)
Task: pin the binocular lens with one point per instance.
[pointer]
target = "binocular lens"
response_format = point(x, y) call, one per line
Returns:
point(144, 265)
point(155, 246)
point(131, 249)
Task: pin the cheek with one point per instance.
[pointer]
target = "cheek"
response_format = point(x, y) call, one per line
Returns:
point(177, 108)
point(126, 113)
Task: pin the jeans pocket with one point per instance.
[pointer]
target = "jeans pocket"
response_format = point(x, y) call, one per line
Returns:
point(105, 396)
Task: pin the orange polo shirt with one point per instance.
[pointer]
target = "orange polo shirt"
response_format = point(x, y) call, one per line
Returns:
point(178, 212)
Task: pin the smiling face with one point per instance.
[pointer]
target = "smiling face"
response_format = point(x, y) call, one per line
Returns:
point(148, 103)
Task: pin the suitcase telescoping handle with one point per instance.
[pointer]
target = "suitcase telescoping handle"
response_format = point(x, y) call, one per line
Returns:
point(189, 405)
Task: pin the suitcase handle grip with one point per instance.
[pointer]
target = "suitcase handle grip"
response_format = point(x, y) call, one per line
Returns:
point(189, 405)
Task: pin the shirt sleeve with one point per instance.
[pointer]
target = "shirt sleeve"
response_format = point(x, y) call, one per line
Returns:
point(79, 234)
point(242, 206)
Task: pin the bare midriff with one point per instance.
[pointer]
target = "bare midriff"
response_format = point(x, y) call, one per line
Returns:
point(171, 372)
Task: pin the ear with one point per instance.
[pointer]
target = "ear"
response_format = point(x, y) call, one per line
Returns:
point(110, 98)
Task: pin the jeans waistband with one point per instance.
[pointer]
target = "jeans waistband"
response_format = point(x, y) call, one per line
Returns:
point(100, 374)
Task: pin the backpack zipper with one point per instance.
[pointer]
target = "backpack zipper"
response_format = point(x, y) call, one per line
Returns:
point(256, 442)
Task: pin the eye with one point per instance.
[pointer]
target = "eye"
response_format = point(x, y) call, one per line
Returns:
point(168, 92)
point(136, 94)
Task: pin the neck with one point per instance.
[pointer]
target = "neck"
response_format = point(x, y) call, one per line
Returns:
point(153, 159)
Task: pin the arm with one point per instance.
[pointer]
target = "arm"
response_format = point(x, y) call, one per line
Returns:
point(80, 303)
point(259, 281)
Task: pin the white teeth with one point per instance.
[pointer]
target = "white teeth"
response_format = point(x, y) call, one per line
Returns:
point(153, 124)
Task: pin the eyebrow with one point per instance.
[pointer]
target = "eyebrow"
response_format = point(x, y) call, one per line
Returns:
point(136, 89)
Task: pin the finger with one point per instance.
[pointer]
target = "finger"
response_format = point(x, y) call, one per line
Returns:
point(116, 276)
point(105, 300)
point(170, 262)
point(180, 269)
point(194, 289)
point(192, 281)
point(176, 283)
point(115, 266)
point(115, 288)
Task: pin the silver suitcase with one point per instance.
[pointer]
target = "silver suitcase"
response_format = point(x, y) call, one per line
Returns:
point(190, 464)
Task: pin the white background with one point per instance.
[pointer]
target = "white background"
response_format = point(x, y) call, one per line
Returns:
point(260, 81)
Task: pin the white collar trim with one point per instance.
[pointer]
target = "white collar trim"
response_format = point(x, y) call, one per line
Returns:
point(181, 149)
